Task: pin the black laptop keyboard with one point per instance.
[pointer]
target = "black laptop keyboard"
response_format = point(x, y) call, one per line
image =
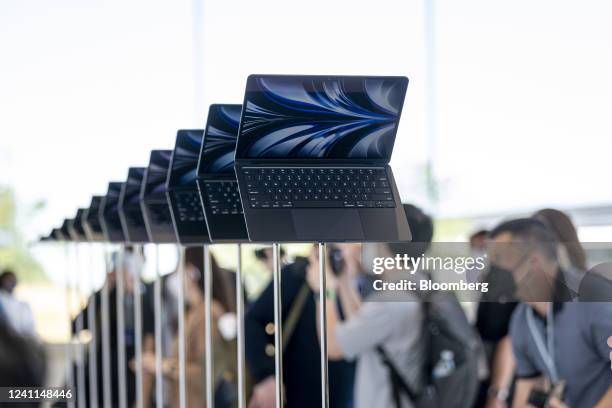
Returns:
point(318, 188)
point(189, 206)
point(223, 197)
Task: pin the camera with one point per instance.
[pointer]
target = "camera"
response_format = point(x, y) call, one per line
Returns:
point(540, 399)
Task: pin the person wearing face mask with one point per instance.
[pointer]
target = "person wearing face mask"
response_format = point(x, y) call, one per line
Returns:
point(494, 317)
point(559, 346)
point(224, 350)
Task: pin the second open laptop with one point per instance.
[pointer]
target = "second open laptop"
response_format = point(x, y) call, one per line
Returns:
point(216, 177)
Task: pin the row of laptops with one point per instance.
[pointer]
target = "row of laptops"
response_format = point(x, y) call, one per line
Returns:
point(304, 158)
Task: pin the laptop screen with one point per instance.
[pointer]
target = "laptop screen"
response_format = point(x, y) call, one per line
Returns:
point(157, 172)
point(219, 146)
point(78, 224)
point(320, 117)
point(132, 186)
point(92, 214)
point(111, 206)
point(184, 161)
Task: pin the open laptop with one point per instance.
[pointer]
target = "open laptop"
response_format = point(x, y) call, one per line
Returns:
point(217, 178)
point(130, 210)
point(57, 235)
point(65, 230)
point(75, 227)
point(153, 200)
point(91, 220)
point(312, 158)
point(182, 189)
point(109, 214)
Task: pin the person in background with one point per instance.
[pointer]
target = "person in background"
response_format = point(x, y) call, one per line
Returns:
point(265, 256)
point(22, 361)
point(478, 241)
point(558, 345)
point(301, 351)
point(572, 256)
point(18, 314)
point(224, 353)
point(610, 345)
point(494, 319)
point(385, 321)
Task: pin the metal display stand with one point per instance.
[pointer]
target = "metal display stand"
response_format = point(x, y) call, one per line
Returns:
point(157, 288)
point(181, 330)
point(240, 333)
point(91, 324)
point(138, 332)
point(120, 276)
point(278, 329)
point(69, 354)
point(79, 326)
point(208, 326)
point(105, 320)
point(323, 322)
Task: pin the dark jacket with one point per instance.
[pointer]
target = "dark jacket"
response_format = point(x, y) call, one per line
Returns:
point(301, 362)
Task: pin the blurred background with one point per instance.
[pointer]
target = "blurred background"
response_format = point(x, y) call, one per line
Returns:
point(507, 111)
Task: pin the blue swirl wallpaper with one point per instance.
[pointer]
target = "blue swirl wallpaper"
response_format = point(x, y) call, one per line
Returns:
point(132, 186)
point(320, 117)
point(219, 144)
point(185, 158)
point(157, 172)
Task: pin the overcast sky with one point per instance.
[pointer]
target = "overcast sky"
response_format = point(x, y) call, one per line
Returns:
point(524, 92)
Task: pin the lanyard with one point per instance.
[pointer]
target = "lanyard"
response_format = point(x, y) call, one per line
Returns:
point(547, 353)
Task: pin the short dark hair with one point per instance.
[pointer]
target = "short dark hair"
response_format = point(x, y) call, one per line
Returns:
point(7, 278)
point(422, 229)
point(534, 232)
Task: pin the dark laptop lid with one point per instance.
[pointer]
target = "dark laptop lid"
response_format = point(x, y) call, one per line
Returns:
point(320, 117)
point(57, 235)
point(109, 211)
point(91, 221)
point(75, 225)
point(65, 230)
point(130, 210)
point(219, 144)
point(154, 185)
point(184, 161)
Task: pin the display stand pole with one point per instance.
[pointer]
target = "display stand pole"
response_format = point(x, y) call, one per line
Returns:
point(104, 309)
point(79, 326)
point(93, 331)
point(208, 327)
point(181, 330)
point(323, 322)
point(278, 322)
point(240, 334)
point(69, 354)
point(138, 331)
point(157, 288)
point(121, 363)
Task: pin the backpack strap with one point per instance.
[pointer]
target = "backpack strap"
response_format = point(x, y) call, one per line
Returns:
point(397, 382)
point(297, 307)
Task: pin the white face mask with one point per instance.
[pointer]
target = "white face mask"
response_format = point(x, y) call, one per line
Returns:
point(227, 326)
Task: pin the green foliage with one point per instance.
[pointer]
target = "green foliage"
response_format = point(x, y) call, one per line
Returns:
point(14, 253)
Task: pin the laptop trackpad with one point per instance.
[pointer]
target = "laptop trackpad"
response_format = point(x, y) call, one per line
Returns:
point(322, 225)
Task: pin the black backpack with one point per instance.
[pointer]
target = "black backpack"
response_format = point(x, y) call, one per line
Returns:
point(445, 329)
